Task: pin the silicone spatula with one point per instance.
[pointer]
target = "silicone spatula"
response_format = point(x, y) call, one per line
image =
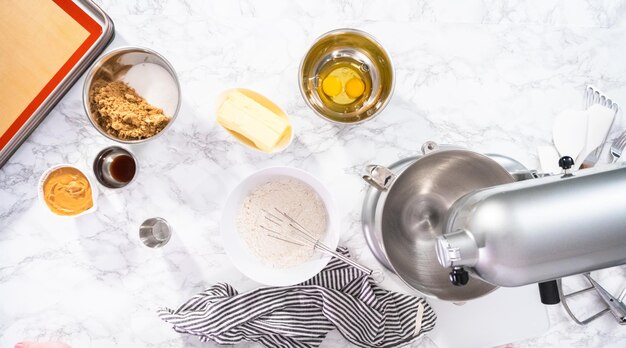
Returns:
point(548, 159)
point(598, 125)
point(569, 133)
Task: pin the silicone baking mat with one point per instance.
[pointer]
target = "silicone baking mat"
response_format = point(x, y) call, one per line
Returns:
point(42, 43)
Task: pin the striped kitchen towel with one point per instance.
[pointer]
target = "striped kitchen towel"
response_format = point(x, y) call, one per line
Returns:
point(340, 297)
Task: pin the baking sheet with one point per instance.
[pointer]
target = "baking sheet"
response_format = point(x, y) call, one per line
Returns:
point(44, 47)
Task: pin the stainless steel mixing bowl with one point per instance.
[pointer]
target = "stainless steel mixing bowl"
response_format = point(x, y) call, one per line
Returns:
point(113, 66)
point(412, 210)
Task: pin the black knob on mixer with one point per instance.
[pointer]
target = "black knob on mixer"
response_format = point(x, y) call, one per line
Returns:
point(566, 162)
point(459, 276)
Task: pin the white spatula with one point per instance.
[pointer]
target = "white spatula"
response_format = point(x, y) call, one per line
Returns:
point(548, 159)
point(598, 125)
point(570, 132)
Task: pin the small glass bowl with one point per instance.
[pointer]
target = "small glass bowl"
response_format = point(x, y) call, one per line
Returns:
point(358, 46)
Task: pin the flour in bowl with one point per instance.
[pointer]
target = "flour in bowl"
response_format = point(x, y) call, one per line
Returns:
point(293, 197)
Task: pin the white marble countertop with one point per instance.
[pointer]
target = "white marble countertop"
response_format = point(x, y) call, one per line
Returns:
point(489, 75)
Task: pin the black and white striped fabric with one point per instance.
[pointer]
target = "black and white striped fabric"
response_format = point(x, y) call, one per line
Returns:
point(340, 297)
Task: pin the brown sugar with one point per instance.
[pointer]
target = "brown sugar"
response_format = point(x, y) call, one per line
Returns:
point(122, 113)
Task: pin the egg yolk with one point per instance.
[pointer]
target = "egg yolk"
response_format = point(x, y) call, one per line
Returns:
point(355, 88)
point(331, 86)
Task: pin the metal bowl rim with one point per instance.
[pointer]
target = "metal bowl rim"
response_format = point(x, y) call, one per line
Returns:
point(98, 63)
point(369, 37)
point(382, 199)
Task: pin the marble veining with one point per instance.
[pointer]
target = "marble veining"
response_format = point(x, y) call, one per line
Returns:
point(488, 75)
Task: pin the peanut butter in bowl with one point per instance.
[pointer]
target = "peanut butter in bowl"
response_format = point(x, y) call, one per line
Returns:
point(66, 191)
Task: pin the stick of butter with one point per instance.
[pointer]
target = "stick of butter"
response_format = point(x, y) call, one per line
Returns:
point(249, 118)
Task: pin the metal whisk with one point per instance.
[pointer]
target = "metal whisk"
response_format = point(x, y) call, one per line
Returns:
point(303, 237)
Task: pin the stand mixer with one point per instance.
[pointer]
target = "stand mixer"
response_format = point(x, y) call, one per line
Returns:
point(540, 230)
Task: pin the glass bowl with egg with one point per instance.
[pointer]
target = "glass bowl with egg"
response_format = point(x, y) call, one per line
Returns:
point(254, 249)
point(131, 95)
point(346, 77)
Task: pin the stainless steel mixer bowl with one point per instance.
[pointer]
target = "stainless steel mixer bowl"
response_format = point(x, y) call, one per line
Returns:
point(414, 212)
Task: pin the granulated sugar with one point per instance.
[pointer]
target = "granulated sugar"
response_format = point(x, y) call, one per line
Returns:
point(293, 197)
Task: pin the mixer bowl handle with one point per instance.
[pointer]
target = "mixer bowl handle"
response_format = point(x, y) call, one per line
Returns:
point(379, 177)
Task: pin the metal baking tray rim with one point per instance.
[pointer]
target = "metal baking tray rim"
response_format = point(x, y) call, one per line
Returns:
point(108, 32)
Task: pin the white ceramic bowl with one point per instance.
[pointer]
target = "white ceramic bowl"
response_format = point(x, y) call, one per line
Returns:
point(94, 190)
point(236, 247)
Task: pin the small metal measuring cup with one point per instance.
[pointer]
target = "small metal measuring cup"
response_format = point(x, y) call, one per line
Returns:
point(102, 166)
point(155, 232)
